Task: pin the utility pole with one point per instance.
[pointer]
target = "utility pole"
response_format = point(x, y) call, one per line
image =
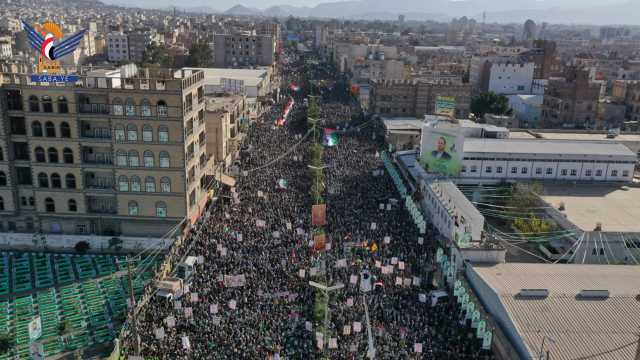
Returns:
point(132, 299)
point(638, 348)
point(371, 351)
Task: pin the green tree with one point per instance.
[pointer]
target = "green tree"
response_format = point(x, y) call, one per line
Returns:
point(156, 56)
point(200, 55)
point(532, 225)
point(6, 343)
point(490, 103)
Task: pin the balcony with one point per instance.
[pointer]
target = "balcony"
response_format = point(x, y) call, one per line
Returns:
point(89, 156)
point(96, 133)
point(100, 109)
point(95, 181)
point(101, 205)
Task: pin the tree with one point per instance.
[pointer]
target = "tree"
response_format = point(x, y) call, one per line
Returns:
point(490, 103)
point(533, 225)
point(6, 343)
point(200, 55)
point(156, 56)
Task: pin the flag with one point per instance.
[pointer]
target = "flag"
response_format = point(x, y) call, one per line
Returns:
point(282, 184)
point(294, 87)
point(330, 137)
point(280, 122)
point(319, 215)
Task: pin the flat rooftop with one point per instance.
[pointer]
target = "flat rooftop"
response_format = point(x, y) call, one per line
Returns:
point(615, 207)
point(548, 147)
point(251, 77)
point(573, 136)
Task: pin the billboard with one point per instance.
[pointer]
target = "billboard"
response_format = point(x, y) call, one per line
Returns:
point(446, 105)
point(441, 149)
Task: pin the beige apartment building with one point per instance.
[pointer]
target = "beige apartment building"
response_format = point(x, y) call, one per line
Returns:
point(107, 155)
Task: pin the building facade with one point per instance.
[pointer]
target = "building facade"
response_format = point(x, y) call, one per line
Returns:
point(117, 47)
point(112, 156)
point(242, 50)
point(571, 101)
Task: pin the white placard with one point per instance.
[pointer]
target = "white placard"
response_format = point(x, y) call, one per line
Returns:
point(299, 231)
point(374, 226)
point(159, 333)
point(219, 247)
point(378, 263)
point(188, 312)
point(398, 280)
point(260, 193)
point(387, 239)
point(420, 240)
point(194, 297)
point(353, 279)
point(170, 321)
point(346, 330)
point(388, 207)
point(289, 227)
point(260, 223)
point(422, 298)
point(381, 207)
point(302, 273)
point(341, 263)
point(308, 326)
point(276, 234)
point(232, 304)
point(387, 269)
point(216, 320)
point(200, 259)
point(333, 343)
point(407, 282)
point(417, 348)
point(394, 260)
point(186, 344)
point(416, 281)
point(357, 326)
point(223, 252)
point(213, 308)
point(350, 302)
point(401, 265)
point(319, 343)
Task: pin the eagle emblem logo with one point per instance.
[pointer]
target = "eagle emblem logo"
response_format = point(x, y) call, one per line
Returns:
point(47, 39)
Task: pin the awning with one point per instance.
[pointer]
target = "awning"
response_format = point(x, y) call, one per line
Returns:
point(226, 179)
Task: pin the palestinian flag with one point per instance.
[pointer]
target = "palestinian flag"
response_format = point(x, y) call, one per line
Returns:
point(294, 87)
point(282, 184)
point(280, 122)
point(330, 137)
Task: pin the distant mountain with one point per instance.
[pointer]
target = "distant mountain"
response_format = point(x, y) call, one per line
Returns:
point(240, 10)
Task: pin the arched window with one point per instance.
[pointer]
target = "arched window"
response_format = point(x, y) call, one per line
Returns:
point(34, 104)
point(165, 184)
point(49, 205)
point(163, 134)
point(150, 184)
point(161, 209)
point(132, 133)
point(1, 203)
point(163, 110)
point(73, 206)
point(3, 179)
point(145, 108)
point(121, 158)
point(135, 184)
point(119, 130)
point(123, 183)
point(53, 155)
point(164, 159)
point(133, 208)
point(50, 129)
point(40, 154)
point(47, 105)
point(43, 180)
point(134, 158)
point(67, 156)
point(148, 159)
point(70, 179)
point(65, 130)
point(147, 133)
point(1, 154)
point(117, 107)
point(36, 129)
point(130, 107)
point(63, 106)
point(56, 183)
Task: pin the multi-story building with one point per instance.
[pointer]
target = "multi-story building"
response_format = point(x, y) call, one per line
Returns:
point(113, 154)
point(117, 46)
point(138, 42)
point(571, 101)
point(241, 50)
point(5, 49)
point(502, 74)
point(632, 99)
point(417, 98)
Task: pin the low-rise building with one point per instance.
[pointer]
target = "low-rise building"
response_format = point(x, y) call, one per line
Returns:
point(571, 101)
point(243, 49)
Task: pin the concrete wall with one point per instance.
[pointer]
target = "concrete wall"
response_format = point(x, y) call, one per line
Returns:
point(21, 241)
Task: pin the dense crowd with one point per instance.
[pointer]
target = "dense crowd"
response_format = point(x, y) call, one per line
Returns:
point(250, 297)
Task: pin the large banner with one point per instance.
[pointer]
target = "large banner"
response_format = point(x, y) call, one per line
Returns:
point(441, 150)
point(319, 215)
point(446, 105)
point(234, 281)
point(319, 242)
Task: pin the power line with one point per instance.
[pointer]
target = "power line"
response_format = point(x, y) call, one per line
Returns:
point(607, 352)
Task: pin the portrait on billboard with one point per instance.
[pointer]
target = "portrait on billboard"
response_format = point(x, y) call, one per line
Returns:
point(441, 151)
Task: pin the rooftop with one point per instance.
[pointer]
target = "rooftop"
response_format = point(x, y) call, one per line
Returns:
point(251, 77)
point(582, 136)
point(579, 327)
point(587, 205)
point(544, 146)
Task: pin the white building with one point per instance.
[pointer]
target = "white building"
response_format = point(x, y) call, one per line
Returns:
point(516, 159)
point(511, 77)
point(5, 50)
point(117, 46)
point(249, 82)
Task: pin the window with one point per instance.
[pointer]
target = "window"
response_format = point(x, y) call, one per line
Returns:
point(36, 129)
point(50, 129)
point(145, 108)
point(625, 173)
point(499, 169)
point(123, 183)
point(63, 106)
point(488, 169)
point(65, 130)
point(514, 170)
point(67, 156)
point(164, 159)
point(165, 185)
point(161, 209)
point(549, 171)
point(163, 134)
point(3, 179)
point(49, 205)
point(474, 168)
point(163, 110)
point(43, 180)
point(614, 172)
point(134, 158)
point(47, 105)
point(121, 158)
point(56, 183)
point(563, 172)
point(1, 203)
point(574, 172)
point(133, 208)
point(73, 206)
point(538, 171)
point(34, 104)
point(150, 184)
point(117, 107)
point(53, 155)
point(119, 133)
point(464, 169)
point(132, 133)
point(147, 133)
point(40, 154)
point(130, 108)
point(1, 154)
point(148, 159)
point(524, 170)
point(70, 180)
point(135, 184)
point(587, 172)
point(599, 172)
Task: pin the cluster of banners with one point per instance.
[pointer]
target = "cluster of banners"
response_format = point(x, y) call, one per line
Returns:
point(411, 206)
point(472, 312)
point(287, 109)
